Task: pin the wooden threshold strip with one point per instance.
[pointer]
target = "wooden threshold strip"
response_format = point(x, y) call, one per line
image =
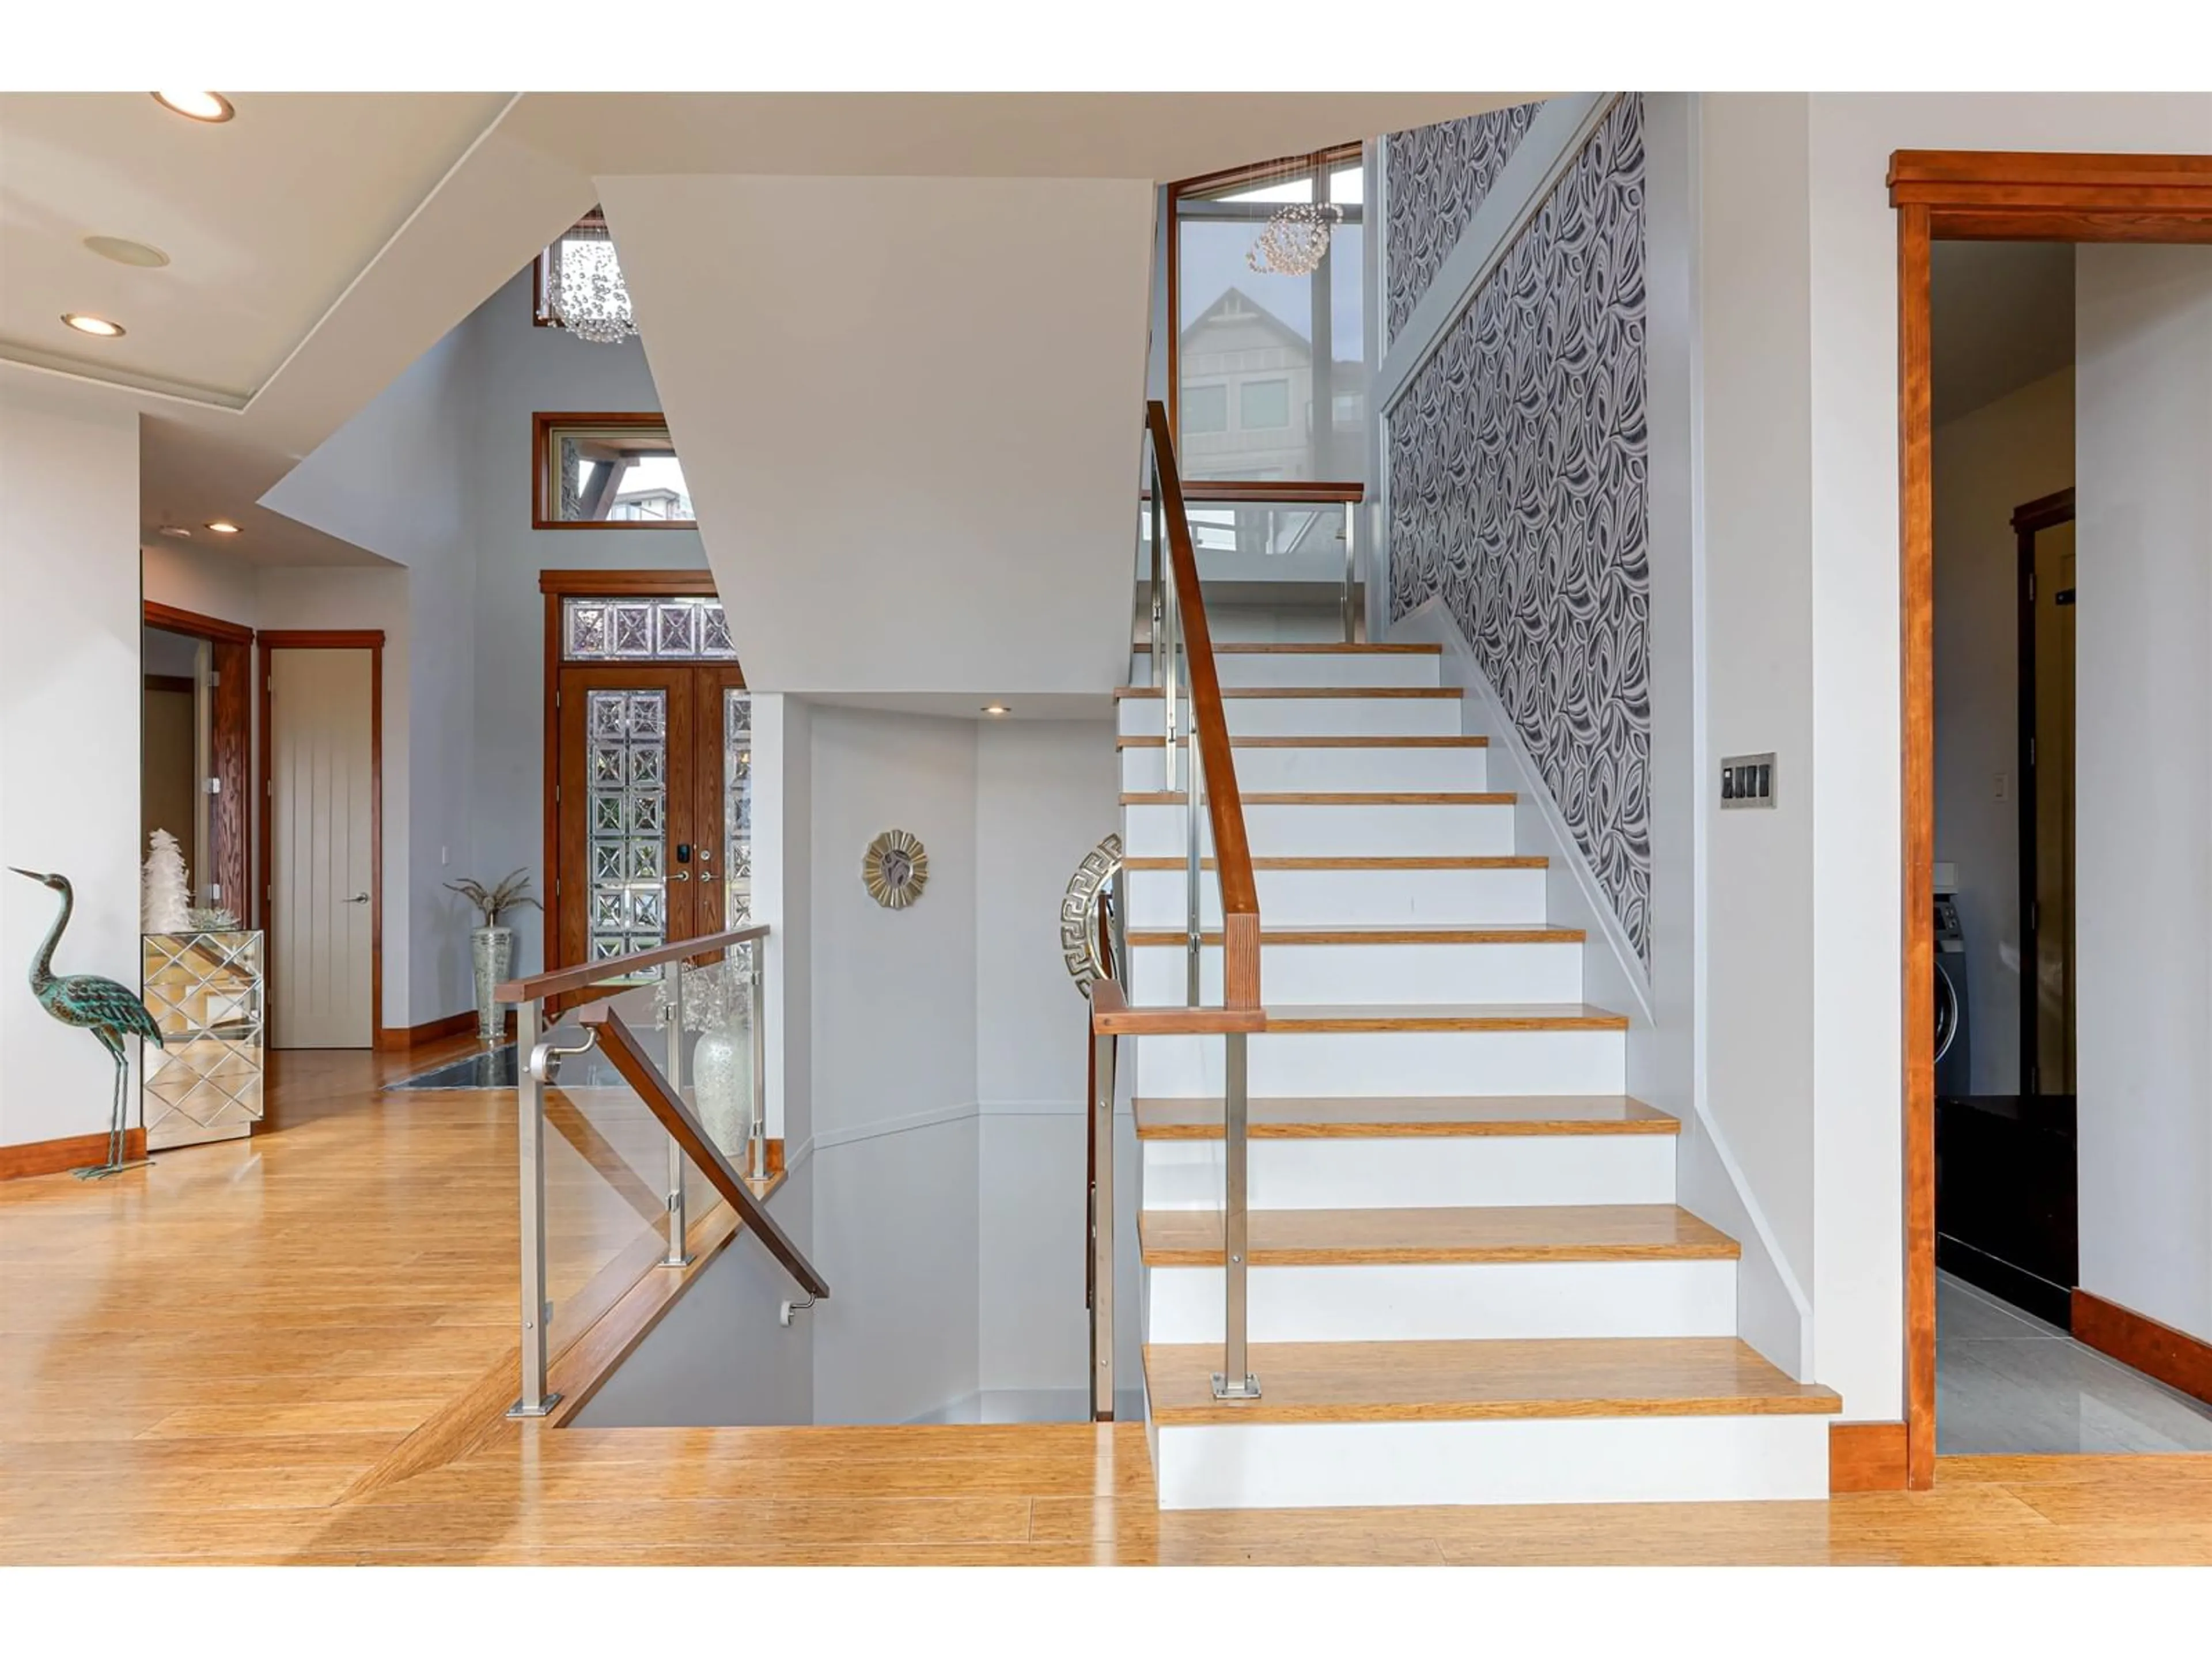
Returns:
point(1495, 933)
point(1354, 798)
point(1159, 741)
point(1445, 1017)
point(1488, 1234)
point(1330, 648)
point(1467, 1380)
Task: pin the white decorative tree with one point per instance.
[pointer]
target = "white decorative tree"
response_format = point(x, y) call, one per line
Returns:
point(165, 893)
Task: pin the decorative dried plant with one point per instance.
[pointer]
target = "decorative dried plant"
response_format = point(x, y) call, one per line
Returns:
point(491, 901)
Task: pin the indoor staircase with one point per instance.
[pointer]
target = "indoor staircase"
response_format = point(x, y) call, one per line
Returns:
point(1469, 1281)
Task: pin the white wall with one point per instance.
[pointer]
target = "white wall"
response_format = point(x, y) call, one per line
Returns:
point(2143, 895)
point(894, 1137)
point(923, 400)
point(69, 711)
point(1989, 461)
point(1046, 794)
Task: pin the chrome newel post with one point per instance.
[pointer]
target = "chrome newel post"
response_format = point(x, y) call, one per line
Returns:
point(1234, 1381)
point(1101, 1231)
point(1194, 771)
point(756, 995)
point(530, 1139)
point(1153, 637)
point(1168, 692)
point(671, 973)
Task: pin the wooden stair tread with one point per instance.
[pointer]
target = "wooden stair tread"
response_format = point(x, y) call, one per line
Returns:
point(1327, 649)
point(1505, 861)
point(1443, 1017)
point(1466, 1381)
point(1384, 933)
point(1157, 741)
point(1295, 692)
point(1345, 1117)
point(1340, 797)
point(1496, 1233)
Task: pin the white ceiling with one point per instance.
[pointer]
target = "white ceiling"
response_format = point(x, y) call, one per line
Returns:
point(322, 243)
point(2002, 318)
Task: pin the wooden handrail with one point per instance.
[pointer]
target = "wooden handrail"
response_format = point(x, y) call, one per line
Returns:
point(620, 1046)
point(1112, 1016)
point(1240, 897)
point(561, 980)
point(1283, 492)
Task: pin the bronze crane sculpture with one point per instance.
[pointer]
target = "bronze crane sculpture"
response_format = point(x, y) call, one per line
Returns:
point(109, 1010)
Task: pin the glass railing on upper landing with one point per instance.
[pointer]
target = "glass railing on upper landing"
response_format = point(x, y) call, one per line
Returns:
point(1285, 546)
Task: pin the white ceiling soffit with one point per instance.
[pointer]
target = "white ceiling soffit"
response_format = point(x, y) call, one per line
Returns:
point(1160, 136)
point(912, 410)
point(265, 218)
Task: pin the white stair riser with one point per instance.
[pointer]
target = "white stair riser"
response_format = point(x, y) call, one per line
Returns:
point(1572, 1062)
point(1414, 1172)
point(1321, 717)
point(1303, 668)
point(1569, 1460)
point(1450, 1301)
point(1328, 770)
point(1303, 830)
point(1311, 898)
point(1373, 973)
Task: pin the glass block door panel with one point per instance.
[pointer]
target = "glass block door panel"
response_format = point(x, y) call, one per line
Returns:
point(627, 733)
point(737, 807)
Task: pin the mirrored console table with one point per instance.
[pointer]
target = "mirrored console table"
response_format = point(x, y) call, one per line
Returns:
point(204, 991)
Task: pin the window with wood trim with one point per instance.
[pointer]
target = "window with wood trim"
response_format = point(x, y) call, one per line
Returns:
point(1267, 370)
point(607, 471)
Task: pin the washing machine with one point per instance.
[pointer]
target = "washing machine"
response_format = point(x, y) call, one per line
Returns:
point(1954, 1048)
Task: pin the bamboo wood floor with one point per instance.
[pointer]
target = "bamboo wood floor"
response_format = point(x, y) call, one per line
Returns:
point(198, 1362)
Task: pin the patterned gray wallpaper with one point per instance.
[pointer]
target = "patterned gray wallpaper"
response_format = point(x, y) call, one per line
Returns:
point(1435, 179)
point(1517, 461)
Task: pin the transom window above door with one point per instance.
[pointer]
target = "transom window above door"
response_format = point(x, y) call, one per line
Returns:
point(645, 630)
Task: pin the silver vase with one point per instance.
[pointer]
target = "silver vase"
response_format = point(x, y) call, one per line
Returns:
point(493, 948)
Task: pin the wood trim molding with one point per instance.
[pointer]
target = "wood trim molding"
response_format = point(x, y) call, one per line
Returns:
point(1866, 1457)
point(1967, 195)
point(323, 639)
point(175, 620)
point(171, 683)
point(43, 1158)
point(542, 424)
point(696, 583)
point(397, 1039)
point(2044, 513)
point(2174, 1358)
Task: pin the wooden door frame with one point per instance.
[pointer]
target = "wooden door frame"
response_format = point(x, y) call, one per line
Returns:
point(2028, 521)
point(230, 746)
point(1971, 195)
point(698, 582)
point(370, 640)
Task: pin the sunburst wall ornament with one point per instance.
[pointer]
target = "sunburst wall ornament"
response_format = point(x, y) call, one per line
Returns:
point(895, 869)
point(1080, 947)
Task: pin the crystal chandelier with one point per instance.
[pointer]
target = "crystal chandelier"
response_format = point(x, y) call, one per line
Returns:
point(583, 286)
point(1293, 242)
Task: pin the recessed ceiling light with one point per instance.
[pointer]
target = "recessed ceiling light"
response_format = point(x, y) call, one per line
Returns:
point(222, 526)
point(85, 322)
point(996, 708)
point(125, 251)
point(178, 530)
point(209, 107)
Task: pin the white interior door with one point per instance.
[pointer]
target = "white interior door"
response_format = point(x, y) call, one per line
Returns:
point(322, 826)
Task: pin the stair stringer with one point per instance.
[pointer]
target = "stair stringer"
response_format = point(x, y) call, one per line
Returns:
point(1773, 1314)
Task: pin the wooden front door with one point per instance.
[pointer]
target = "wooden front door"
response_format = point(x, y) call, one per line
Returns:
point(644, 806)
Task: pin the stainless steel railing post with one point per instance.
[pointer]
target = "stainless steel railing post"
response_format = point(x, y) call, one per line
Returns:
point(1234, 1381)
point(530, 1141)
point(671, 974)
point(1101, 1230)
point(1351, 574)
point(1195, 914)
